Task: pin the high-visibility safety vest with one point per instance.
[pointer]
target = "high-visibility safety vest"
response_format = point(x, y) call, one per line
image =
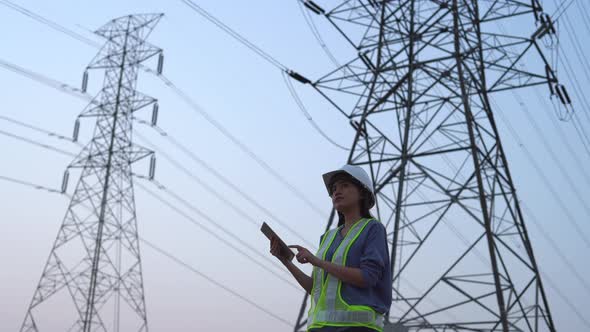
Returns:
point(327, 306)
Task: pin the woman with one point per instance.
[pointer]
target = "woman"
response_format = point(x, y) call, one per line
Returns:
point(350, 285)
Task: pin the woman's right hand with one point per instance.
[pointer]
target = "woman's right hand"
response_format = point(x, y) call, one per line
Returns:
point(303, 279)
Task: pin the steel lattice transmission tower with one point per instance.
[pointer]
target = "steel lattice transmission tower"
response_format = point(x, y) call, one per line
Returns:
point(93, 280)
point(417, 91)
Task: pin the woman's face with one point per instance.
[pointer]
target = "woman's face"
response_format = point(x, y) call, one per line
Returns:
point(345, 195)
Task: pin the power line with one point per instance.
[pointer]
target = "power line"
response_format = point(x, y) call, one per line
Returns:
point(163, 133)
point(457, 233)
point(571, 220)
point(561, 254)
point(73, 91)
point(203, 184)
point(36, 143)
point(217, 225)
point(565, 299)
point(584, 139)
point(198, 109)
point(515, 134)
point(574, 121)
point(291, 89)
point(194, 106)
point(546, 145)
point(580, 131)
point(52, 83)
point(552, 153)
point(66, 88)
point(553, 285)
point(491, 174)
point(306, 113)
point(29, 184)
point(564, 139)
point(161, 251)
point(316, 33)
point(226, 181)
point(568, 263)
point(578, 50)
point(574, 79)
point(270, 59)
point(562, 8)
point(195, 178)
point(324, 46)
point(584, 12)
point(559, 7)
point(571, 267)
point(41, 130)
point(180, 262)
point(49, 23)
point(78, 93)
point(186, 265)
point(570, 74)
point(213, 281)
point(566, 8)
point(535, 222)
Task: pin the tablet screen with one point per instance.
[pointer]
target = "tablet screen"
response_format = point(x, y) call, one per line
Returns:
point(285, 251)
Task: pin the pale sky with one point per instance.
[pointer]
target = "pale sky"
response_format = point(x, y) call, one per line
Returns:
point(249, 98)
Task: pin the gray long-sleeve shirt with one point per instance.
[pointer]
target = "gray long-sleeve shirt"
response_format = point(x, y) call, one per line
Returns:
point(369, 253)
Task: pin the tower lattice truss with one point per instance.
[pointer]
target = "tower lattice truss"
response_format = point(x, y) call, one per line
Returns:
point(418, 94)
point(92, 280)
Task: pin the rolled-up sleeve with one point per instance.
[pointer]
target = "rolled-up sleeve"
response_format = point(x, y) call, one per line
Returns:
point(374, 254)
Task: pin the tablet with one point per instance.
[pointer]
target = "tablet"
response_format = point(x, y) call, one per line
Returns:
point(285, 251)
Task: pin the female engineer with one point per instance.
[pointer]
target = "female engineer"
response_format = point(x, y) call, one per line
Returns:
point(350, 285)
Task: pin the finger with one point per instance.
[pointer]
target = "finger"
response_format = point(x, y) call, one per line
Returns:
point(295, 246)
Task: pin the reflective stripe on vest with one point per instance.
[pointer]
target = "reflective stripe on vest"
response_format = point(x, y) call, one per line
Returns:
point(327, 306)
point(318, 274)
point(350, 317)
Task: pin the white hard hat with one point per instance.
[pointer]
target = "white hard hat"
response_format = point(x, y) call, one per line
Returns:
point(356, 172)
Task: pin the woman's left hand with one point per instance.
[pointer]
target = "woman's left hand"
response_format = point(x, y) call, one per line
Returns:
point(305, 256)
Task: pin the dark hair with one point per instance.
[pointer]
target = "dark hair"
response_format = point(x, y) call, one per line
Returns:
point(364, 193)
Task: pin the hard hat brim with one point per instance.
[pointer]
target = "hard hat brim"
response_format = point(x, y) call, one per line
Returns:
point(327, 177)
point(330, 175)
